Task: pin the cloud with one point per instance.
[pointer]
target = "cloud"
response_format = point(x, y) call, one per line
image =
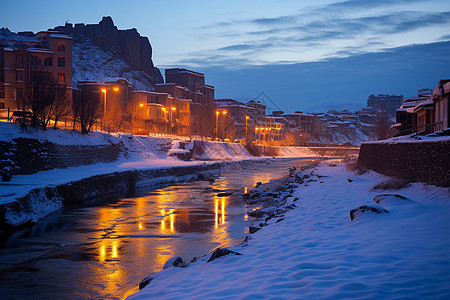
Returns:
point(335, 30)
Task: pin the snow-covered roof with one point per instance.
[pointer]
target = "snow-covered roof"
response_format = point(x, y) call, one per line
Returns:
point(40, 50)
point(60, 36)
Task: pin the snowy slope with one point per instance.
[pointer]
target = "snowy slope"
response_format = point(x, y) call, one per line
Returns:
point(316, 252)
point(9, 131)
point(92, 63)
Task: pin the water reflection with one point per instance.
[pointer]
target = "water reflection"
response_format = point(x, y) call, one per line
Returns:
point(104, 251)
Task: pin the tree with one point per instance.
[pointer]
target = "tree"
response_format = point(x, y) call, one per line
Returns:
point(381, 126)
point(86, 108)
point(62, 105)
point(44, 96)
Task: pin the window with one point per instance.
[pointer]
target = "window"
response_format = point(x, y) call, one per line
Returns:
point(35, 61)
point(2, 92)
point(61, 62)
point(48, 61)
point(150, 111)
point(149, 99)
point(19, 76)
point(19, 60)
point(2, 105)
point(61, 77)
point(61, 48)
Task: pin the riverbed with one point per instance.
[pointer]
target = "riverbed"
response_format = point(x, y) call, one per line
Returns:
point(104, 248)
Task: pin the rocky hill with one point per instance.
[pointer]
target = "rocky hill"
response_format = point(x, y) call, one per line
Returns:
point(102, 51)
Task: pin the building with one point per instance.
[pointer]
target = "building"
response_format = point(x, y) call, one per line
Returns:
point(384, 104)
point(307, 123)
point(201, 96)
point(441, 106)
point(48, 51)
point(234, 120)
point(415, 113)
point(128, 110)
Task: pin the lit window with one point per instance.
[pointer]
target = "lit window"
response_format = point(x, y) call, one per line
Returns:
point(61, 77)
point(61, 62)
point(48, 61)
point(61, 48)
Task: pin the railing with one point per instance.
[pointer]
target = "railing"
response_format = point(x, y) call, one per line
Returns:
point(422, 129)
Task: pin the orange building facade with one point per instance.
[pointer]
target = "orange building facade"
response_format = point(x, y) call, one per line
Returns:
point(50, 52)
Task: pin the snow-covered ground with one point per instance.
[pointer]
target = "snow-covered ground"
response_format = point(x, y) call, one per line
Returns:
point(9, 131)
point(316, 251)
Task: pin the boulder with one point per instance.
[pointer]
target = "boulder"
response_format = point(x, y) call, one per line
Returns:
point(221, 252)
point(176, 261)
point(224, 194)
point(391, 199)
point(365, 209)
point(144, 282)
point(253, 229)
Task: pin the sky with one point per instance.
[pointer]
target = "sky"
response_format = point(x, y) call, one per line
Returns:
point(231, 40)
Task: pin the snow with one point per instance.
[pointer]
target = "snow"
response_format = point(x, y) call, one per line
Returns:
point(9, 131)
point(412, 138)
point(317, 252)
point(92, 63)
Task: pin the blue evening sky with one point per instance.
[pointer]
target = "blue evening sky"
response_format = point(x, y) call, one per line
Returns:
point(274, 41)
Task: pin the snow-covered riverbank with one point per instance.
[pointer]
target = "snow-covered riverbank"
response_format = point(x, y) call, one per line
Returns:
point(317, 251)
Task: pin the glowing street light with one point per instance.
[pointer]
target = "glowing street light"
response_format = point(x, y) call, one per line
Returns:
point(224, 112)
point(104, 90)
point(246, 119)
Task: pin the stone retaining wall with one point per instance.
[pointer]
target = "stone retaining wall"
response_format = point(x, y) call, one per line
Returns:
point(43, 201)
point(424, 161)
point(25, 156)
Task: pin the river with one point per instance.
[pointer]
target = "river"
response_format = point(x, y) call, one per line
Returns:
point(103, 249)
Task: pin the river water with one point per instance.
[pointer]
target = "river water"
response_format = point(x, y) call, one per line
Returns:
point(103, 249)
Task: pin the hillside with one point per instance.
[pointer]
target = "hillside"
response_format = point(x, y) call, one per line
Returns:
point(101, 51)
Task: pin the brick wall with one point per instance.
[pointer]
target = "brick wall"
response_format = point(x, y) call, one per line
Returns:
point(424, 161)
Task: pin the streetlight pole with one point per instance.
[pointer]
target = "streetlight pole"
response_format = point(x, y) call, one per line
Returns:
point(217, 122)
point(246, 135)
point(172, 109)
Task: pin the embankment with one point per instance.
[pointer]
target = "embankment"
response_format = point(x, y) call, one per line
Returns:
point(424, 161)
point(40, 202)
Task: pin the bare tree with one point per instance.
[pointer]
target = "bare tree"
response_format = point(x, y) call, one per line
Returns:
point(44, 97)
point(86, 108)
point(62, 105)
point(381, 126)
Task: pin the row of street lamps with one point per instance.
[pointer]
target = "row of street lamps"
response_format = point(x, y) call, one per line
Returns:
point(173, 109)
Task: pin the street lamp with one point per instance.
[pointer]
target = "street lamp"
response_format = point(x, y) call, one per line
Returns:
point(246, 119)
point(224, 112)
point(104, 90)
point(104, 106)
point(172, 109)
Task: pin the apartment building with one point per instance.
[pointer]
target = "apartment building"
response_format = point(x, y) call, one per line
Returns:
point(48, 51)
point(202, 106)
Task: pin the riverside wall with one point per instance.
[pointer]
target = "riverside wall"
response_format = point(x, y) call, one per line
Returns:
point(41, 202)
point(423, 161)
point(24, 156)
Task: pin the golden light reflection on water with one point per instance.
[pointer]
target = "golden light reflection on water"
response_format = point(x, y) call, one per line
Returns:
point(168, 222)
